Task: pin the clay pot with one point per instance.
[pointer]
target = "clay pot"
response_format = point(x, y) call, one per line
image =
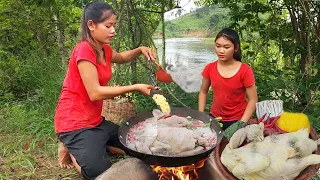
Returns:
point(306, 174)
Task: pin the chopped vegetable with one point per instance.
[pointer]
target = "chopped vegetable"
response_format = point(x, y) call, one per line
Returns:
point(161, 101)
point(233, 128)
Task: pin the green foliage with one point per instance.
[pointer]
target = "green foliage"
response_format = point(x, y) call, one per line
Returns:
point(25, 78)
point(144, 103)
point(207, 19)
point(18, 117)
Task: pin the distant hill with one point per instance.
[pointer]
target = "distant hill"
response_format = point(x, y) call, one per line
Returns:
point(203, 22)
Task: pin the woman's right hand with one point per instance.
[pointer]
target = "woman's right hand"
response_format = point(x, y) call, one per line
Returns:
point(148, 53)
point(144, 88)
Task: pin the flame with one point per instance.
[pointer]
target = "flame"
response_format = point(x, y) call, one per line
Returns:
point(188, 172)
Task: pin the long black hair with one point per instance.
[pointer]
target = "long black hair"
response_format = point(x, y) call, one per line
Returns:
point(232, 36)
point(97, 11)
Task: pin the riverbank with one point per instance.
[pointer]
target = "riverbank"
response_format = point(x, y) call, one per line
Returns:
point(184, 34)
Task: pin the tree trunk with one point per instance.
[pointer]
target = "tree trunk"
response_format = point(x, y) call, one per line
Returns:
point(305, 31)
point(163, 60)
point(294, 22)
point(318, 23)
point(60, 37)
point(307, 62)
point(301, 28)
point(133, 63)
point(119, 37)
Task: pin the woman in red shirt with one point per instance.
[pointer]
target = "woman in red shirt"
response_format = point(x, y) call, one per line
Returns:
point(232, 82)
point(78, 122)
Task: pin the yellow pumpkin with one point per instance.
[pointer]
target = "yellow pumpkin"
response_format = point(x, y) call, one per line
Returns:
point(291, 122)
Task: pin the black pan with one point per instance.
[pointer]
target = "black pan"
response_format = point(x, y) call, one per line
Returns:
point(163, 160)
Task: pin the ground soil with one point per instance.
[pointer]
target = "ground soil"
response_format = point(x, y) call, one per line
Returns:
point(45, 168)
point(22, 160)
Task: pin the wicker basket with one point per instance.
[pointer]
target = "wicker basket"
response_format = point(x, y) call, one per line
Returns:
point(115, 111)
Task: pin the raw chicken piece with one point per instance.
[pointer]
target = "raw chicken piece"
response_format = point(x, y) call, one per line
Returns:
point(145, 138)
point(176, 121)
point(180, 139)
point(281, 156)
point(158, 147)
point(195, 151)
point(157, 114)
point(142, 147)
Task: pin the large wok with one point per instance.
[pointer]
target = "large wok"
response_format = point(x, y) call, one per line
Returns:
point(163, 160)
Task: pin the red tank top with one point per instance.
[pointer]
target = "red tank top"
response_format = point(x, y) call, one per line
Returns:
point(75, 110)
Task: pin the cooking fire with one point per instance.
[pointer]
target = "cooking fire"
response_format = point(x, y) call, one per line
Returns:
point(188, 172)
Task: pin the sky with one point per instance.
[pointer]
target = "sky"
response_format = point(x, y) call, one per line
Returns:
point(186, 6)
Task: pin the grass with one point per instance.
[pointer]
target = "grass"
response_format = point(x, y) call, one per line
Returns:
point(28, 157)
point(28, 148)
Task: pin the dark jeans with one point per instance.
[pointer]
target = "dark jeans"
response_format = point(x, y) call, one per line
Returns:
point(88, 146)
point(225, 124)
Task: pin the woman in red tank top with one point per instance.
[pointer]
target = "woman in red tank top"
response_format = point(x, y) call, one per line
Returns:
point(233, 84)
point(82, 131)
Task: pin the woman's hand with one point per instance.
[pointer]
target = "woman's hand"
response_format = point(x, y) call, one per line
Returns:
point(148, 53)
point(144, 88)
point(131, 55)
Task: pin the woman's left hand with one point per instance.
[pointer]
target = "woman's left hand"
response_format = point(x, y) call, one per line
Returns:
point(143, 88)
point(148, 53)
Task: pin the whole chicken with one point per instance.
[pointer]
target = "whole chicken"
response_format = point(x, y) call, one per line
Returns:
point(281, 156)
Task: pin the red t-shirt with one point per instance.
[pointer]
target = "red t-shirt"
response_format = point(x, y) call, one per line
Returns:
point(75, 110)
point(229, 94)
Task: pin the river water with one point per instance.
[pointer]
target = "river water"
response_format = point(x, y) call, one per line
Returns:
point(185, 59)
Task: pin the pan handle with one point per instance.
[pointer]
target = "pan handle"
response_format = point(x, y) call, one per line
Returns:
point(152, 80)
point(123, 122)
point(153, 83)
point(211, 124)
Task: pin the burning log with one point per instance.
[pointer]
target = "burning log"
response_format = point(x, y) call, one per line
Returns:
point(188, 172)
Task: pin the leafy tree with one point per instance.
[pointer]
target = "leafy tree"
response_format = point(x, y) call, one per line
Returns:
point(32, 31)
